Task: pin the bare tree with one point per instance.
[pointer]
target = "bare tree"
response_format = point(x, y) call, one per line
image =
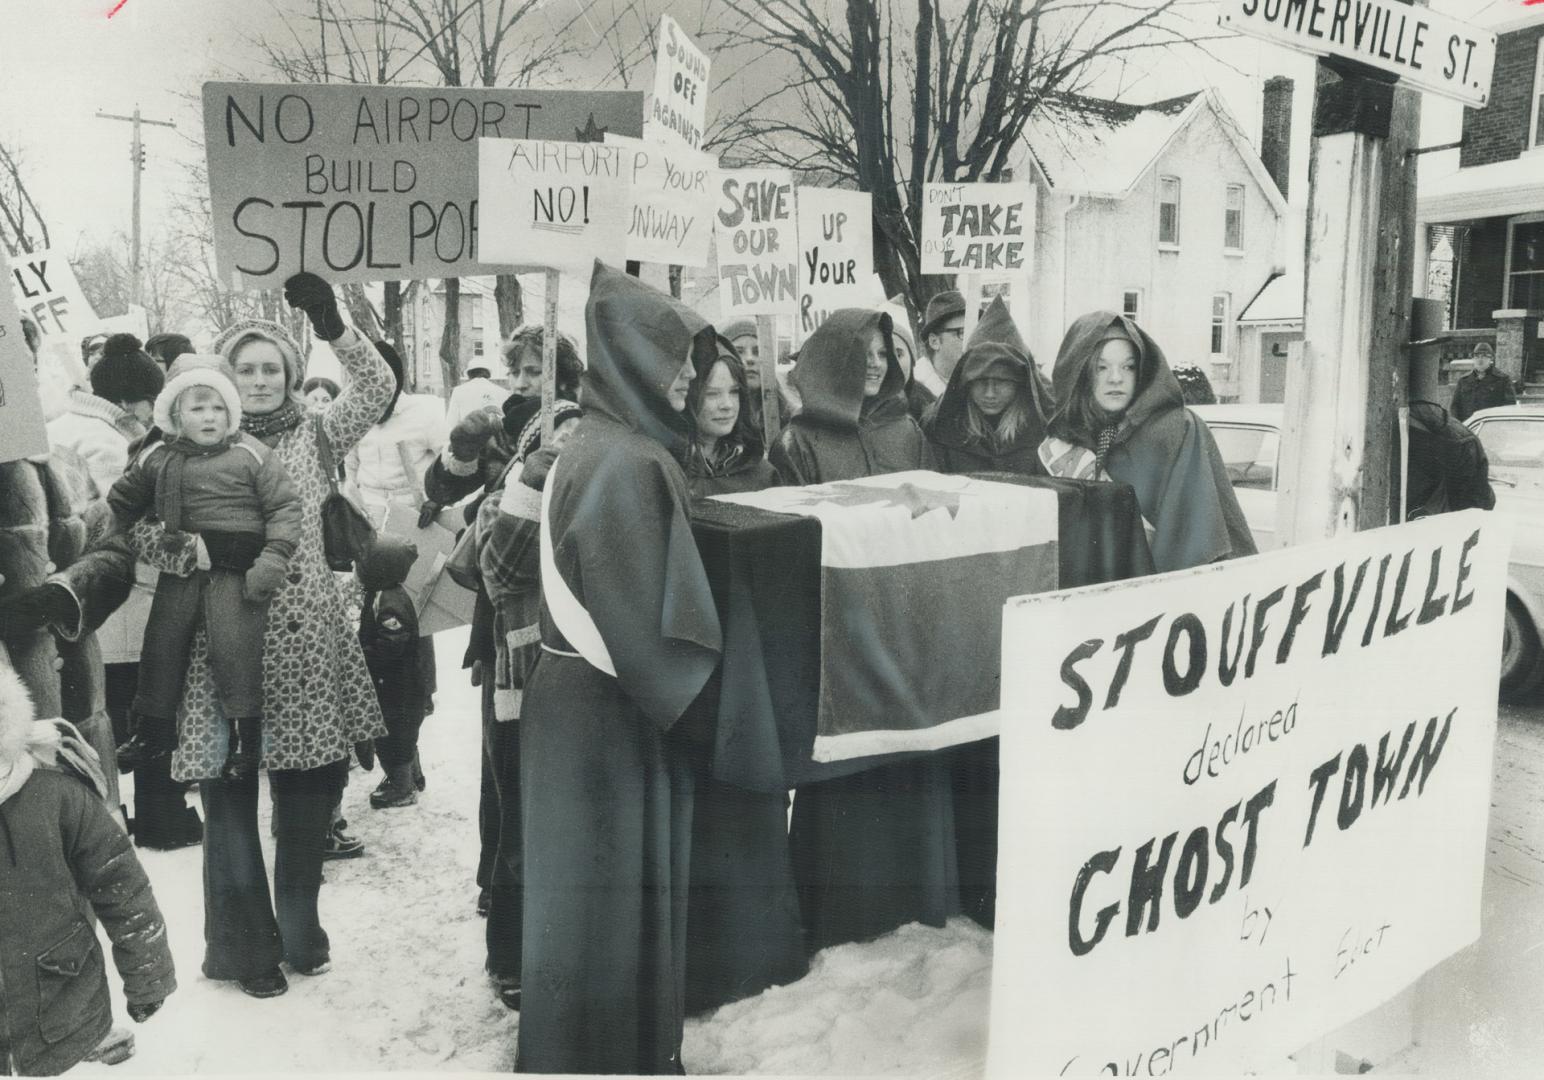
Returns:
point(102, 268)
point(889, 95)
point(24, 229)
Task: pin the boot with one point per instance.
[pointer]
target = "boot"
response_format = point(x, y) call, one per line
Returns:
point(246, 750)
point(397, 790)
point(418, 772)
point(154, 737)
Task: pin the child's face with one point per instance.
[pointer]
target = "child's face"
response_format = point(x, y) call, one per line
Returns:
point(202, 417)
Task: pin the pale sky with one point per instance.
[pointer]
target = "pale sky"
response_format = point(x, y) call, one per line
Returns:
point(63, 60)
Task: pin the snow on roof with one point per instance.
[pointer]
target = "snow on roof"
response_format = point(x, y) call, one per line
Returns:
point(1280, 301)
point(1101, 148)
point(1505, 187)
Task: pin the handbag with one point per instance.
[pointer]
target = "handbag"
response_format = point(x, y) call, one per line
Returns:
point(347, 534)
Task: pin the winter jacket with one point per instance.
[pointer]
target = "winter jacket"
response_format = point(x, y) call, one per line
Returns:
point(63, 860)
point(410, 438)
point(388, 628)
point(52, 529)
point(472, 395)
point(237, 487)
point(838, 434)
point(740, 472)
point(1158, 446)
point(1476, 391)
point(99, 432)
point(318, 694)
point(995, 345)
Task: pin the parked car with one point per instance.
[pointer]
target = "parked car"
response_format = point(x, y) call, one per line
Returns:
point(1249, 438)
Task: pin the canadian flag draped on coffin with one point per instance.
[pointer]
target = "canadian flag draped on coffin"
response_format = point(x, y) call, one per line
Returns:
point(914, 570)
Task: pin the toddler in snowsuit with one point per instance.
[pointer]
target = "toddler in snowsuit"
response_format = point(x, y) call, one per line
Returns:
point(388, 633)
point(63, 857)
point(209, 478)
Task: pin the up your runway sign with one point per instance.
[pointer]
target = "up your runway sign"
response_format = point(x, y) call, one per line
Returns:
point(1429, 51)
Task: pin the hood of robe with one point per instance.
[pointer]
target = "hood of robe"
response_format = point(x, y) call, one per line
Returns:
point(638, 339)
point(829, 375)
point(994, 344)
point(1158, 390)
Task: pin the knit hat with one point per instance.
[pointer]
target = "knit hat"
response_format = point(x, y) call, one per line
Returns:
point(944, 305)
point(126, 372)
point(244, 330)
point(190, 370)
point(738, 329)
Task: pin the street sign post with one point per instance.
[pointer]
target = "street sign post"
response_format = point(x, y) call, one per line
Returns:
point(1426, 50)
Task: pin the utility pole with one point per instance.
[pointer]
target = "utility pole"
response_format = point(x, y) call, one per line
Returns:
point(137, 157)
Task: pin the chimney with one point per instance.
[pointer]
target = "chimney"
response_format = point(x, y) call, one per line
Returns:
point(1276, 129)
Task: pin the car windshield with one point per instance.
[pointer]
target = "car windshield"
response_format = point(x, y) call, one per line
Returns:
point(1514, 443)
point(1249, 454)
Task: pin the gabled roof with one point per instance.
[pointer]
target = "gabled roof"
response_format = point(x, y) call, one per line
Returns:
point(1102, 148)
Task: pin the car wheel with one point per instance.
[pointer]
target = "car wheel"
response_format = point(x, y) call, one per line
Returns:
point(1521, 659)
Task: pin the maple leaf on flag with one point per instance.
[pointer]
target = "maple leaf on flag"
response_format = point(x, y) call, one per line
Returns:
point(904, 496)
point(591, 132)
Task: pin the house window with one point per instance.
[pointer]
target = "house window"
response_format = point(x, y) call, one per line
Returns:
point(1525, 262)
point(1131, 304)
point(1536, 121)
point(477, 347)
point(1220, 304)
point(1233, 218)
point(1168, 210)
point(475, 313)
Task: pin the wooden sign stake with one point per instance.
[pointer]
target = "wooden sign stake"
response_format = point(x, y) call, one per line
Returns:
point(549, 357)
point(766, 363)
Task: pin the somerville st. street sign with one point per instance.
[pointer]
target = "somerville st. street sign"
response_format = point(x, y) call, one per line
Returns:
point(1427, 50)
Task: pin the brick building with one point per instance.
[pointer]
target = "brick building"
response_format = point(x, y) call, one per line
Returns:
point(1484, 222)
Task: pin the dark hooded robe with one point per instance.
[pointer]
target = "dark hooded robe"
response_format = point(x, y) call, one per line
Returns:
point(1157, 445)
point(629, 638)
point(874, 850)
point(837, 433)
point(995, 347)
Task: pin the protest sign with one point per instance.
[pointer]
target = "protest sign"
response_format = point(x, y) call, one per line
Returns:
point(21, 413)
point(369, 183)
point(559, 205)
point(836, 253)
point(986, 229)
point(1428, 50)
point(678, 110)
point(758, 243)
point(1254, 802)
point(135, 321)
point(47, 292)
point(668, 213)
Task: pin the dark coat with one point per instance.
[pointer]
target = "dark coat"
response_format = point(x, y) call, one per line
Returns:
point(605, 875)
point(995, 343)
point(1160, 448)
point(1476, 391)
point(839, 434)
point(64, 859)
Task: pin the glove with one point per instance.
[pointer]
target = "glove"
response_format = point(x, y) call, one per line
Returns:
point(364, 752)
point(427, 513)
point(30, 610)
point(201, 553)
point(471, 434)
point(140, 1013)
point(537, 466)
point(315, 297)
point(265, 578)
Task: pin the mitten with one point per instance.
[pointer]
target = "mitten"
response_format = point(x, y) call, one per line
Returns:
point(364, 751)
point(30, 610)
point(315, 297)
point(266, 577)
point(471, 434)
point(174, 552)
point(140, 1013)
point(537, 465)
point(427, 513)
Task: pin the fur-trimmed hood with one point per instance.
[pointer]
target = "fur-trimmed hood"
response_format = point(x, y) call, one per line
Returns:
point(16, 715)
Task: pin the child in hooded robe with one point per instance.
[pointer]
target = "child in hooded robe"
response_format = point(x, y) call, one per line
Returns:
point(1121, 416)
point(855, 419)
point(62, 855)
point(992, 416)
point(211, 479)
point(726, 453)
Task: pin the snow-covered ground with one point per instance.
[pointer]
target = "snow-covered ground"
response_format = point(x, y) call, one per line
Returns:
point(406, 989)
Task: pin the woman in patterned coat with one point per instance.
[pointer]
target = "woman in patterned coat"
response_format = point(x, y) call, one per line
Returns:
point(318, 697)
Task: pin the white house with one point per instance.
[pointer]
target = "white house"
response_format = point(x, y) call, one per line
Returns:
point(1163, 211)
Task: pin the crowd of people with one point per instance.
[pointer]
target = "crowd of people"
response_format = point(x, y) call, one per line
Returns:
point(168, 607)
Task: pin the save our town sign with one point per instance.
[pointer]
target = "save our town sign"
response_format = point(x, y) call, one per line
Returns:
point(1427, 50)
